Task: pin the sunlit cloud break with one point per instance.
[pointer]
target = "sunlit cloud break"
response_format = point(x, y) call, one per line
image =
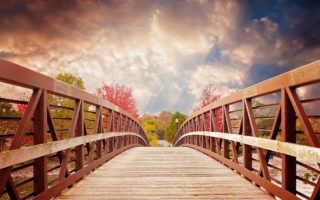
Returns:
point(165, 50)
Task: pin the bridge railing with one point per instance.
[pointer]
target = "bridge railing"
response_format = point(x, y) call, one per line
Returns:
point(269, 133)
point(55, 134)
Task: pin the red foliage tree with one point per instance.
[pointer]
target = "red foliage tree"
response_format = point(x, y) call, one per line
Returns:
point(22, 108)
point(119, 95)
point(208, 96)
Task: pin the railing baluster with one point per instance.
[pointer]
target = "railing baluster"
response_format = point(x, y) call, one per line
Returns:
point(79, 153)
point(40, 136)
point(226, 143)
point(288, 134)
point(98, 129)
point(247, 150)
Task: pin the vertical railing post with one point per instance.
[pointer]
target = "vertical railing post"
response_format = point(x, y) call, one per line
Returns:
point(40, 167)
point(111, 144)
point(99, 130)
point(247, 149)
point(120, 122)
point(123, 143)
point(226, 143)
point(288, 134)
point(211, 128)
point(79, 153)
point(125, 124)
point(110, 129)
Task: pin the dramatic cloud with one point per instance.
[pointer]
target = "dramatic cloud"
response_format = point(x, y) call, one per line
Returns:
point(165, 50)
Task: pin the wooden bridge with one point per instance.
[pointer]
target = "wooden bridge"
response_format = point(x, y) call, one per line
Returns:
point(259, 143)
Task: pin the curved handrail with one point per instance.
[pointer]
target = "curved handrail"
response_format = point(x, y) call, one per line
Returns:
point(302, 152)
point(17, 75)
point(14, 157)
point(112, 131)
point(307, 74)
point(234, 142)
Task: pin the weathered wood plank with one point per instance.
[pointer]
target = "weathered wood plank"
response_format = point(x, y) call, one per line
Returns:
point(164, 173)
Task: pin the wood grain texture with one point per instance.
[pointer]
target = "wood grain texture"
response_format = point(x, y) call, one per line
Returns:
point(164, 173)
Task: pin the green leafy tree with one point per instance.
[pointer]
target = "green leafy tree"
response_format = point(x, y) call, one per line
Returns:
point(60, 115)
point(7, 109)
point(71, 79)
point(170, 131)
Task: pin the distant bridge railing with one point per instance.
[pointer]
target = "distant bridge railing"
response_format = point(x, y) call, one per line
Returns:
point(56, 134)
point(268, 133)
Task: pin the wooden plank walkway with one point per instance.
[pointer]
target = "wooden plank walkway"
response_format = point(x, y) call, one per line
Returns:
point(164, 173)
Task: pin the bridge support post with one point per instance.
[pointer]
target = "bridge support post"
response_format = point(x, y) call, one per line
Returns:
point(79, 153)
point(246, 130)
point(288, 134)
point(226, 143)
point(40, 136)
point(212, 146)
point(99, 130)
point(110, 145)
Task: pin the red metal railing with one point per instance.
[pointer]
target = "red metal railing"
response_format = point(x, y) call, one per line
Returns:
point(284, 108)
point(65, 132)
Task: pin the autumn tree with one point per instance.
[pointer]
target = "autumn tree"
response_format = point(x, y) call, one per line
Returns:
point(150, 126)
point(119, 95)
point(155, 125)
point(163, 122)
point(208, 95)
point(7, 126)
point(170, 131)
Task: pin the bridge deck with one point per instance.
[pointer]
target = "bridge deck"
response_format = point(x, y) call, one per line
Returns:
point(164, 173)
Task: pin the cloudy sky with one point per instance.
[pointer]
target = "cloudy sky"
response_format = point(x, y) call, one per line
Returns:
point(165, 50)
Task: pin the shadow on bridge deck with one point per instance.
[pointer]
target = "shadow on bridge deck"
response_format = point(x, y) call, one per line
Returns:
point(164, 173)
